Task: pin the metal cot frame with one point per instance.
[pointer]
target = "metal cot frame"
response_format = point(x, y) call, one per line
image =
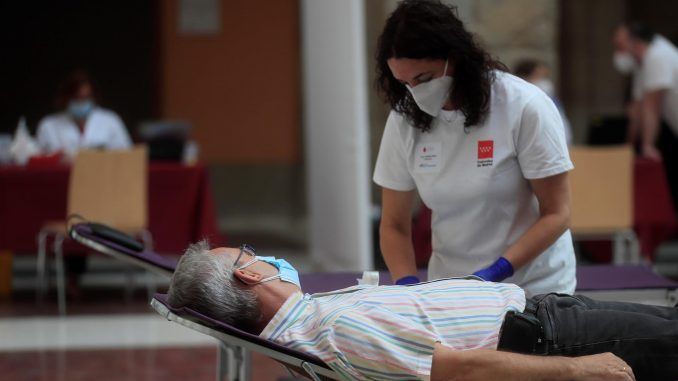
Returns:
point(233, 356)
point(235, 343)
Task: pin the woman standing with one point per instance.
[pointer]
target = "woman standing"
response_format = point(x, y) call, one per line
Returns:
point(484, 149)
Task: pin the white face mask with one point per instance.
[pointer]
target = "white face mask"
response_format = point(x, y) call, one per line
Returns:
point(624, 62)
point(546, 86)
point(431, 96)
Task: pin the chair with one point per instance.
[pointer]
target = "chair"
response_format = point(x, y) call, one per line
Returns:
point(106, 186)
point(147, 259)
point(602, 198)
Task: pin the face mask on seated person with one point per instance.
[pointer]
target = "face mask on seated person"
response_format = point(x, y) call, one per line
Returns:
point(286, 272)
point(80, 109)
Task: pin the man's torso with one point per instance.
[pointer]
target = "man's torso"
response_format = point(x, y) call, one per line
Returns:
point(391, 330)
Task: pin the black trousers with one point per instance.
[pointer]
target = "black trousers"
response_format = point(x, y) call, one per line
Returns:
point(646, 337)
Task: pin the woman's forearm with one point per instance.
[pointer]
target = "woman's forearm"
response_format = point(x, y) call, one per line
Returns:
point(397, 250)
point(537, 239)
point(395, 232)
point(553, 194)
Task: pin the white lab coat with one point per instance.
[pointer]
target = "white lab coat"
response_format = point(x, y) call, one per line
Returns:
point(103, 129)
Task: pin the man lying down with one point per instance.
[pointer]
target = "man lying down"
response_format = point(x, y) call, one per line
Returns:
point(449, 329)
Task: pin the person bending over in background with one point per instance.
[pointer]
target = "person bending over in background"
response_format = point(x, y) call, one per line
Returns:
point(653, 109)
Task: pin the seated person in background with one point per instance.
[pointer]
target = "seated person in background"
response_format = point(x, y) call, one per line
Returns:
point(448, 329)
point(80, 123)
point(538, 74)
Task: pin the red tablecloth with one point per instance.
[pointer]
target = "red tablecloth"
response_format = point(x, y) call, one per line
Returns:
point(653, 215)
point(180, 205)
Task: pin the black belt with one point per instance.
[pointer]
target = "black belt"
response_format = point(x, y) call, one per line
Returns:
point(522, 332)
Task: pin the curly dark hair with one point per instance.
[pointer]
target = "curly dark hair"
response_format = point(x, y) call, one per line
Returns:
point(426, 29)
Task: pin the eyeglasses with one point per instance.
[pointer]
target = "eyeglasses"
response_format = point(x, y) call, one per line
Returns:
point(248, 251)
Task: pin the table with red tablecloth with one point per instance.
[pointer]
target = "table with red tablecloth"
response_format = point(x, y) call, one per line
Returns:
point(654, 218)
point(181, 208)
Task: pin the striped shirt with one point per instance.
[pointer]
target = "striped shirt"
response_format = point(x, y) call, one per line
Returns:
point(389, 332)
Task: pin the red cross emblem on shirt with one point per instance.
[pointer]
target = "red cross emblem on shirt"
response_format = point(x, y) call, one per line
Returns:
point(485, 149)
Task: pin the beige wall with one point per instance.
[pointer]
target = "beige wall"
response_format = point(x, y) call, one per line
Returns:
point(591, 87)
point(513, 30)
point(239, 87)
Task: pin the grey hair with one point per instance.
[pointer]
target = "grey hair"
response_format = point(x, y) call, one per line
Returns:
point(204, 282)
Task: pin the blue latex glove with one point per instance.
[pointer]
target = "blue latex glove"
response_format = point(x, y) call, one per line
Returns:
point(496, 272)
point(410, 279)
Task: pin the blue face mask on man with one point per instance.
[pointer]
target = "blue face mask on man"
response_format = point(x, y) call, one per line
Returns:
point(286, 272)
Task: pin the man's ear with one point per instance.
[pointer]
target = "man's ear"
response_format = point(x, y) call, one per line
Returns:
point(247, 276)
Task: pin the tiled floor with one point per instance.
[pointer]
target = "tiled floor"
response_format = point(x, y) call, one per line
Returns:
point(108, 340)
point(131, 364)
point(94, 332)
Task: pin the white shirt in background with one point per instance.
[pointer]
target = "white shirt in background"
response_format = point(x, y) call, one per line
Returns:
point(476, 183)
point(659, 71)
point(103, 129)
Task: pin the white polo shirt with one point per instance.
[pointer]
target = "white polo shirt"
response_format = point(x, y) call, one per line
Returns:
point(659, 71)
point(476, 183)
point(103, 129)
